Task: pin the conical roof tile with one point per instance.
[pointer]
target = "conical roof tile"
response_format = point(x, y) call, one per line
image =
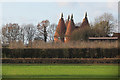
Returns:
point(60, 30)
point(70, 29)
point(85, 22)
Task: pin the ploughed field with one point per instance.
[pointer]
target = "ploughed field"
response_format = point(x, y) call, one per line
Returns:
point(59, 71)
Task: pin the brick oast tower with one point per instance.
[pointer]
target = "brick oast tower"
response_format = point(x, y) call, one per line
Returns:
point(85, 22)
point(70, 29)
point(64, 30)
point(60, 30)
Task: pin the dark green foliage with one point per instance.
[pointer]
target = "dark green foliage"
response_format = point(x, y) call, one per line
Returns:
point(61, 53)
point(62, 60)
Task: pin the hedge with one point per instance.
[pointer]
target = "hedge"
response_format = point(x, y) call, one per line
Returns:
point(62, 60)
point(61, 53)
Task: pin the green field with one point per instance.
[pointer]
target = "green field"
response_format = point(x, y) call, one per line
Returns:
point(59, 71)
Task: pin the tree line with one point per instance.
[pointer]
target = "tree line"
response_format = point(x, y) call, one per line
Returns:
point(28, 32)
point(104, 25)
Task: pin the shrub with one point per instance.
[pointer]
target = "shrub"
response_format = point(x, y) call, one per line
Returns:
point(62, 60)
point(61, 53)
point(82, 34)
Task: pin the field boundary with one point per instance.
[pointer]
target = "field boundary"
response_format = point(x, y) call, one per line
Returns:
point(61, 53)
point(62, 60)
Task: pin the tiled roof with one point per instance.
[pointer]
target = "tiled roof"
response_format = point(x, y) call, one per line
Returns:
point(85, 22)
point(60, 30)
point(70, 29)
point(66, 23)
point(102, 38)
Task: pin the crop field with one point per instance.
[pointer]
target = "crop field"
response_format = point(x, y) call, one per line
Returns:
point(59, 71)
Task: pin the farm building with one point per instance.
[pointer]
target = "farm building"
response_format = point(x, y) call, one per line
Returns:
point(64, 30)
point(103, 38)
point(60, 30)
point(70, 29)
point(85, 22)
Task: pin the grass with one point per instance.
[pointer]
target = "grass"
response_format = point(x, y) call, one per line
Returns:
point(59, 71)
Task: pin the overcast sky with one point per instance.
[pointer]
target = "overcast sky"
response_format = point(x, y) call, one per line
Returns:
point(34, 12)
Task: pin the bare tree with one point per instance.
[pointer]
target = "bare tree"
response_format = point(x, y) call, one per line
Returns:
point(10, 32)
point(51, 32)
point(105, 22)
point(21, 35)
point(29, 32)
point(42, 30)
point(104, 17)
